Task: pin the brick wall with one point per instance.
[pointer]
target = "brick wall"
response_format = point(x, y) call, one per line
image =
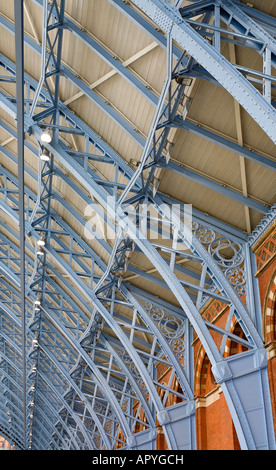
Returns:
point(214, 425)
point(265, 252)
point(215, 430)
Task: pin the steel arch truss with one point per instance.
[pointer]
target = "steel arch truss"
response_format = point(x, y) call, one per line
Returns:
point(96, 344)
point(48, 341)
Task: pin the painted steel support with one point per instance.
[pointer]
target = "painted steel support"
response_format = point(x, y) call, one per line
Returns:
point(233, 373)
point(9, 332)
point(213, 62)
point(124, 169)
point(222, 142)
point(52, 357)
point(177, 123)
point(188, 307)
point(177, 367)
point(41, 417)
point(113, 158)
point(19, 53)
point(107, 57)
point(100, 192)
point(247, 441)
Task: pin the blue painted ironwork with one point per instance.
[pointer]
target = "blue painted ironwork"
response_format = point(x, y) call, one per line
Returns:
point(67, 158)
point(102, 357)
point(178, 123)
point(19, 53)
point(144, 407)
point(100, 145)
point(225, 73)
point(247, 438)
point(12, 196)
point(127, 171)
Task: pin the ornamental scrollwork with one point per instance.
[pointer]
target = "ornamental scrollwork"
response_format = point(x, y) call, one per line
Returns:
point(125, 357)
point(171, 327)
point(227, 254)
point(205, 235)
point(237, 278)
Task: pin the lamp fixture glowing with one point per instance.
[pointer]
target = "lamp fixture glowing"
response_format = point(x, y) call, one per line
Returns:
point(46, 136)
point(41, 241)
point(40, 252)
point(45, 155)
point(37, 301)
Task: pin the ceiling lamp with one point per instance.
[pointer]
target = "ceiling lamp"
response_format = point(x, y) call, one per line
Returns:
point(35, 343)
point(45, 155)
point(46, 136)
point(37, 301)
point(41, 241)
point(40, 251)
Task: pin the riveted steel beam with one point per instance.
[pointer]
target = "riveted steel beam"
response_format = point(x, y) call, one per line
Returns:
point(106, 387)
point(140, 140)
point(19, 52)
point(249, 98)
point(180, 293)
point(124, 168)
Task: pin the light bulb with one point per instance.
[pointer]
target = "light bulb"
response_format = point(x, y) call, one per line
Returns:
point(46, 136)
point(45, 155)
point(41, 242)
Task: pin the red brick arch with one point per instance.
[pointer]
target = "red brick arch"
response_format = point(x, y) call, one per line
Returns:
point(204, 379)
point(232, 347)
point(214, 425)
point(198, 389)
point(269, 320)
